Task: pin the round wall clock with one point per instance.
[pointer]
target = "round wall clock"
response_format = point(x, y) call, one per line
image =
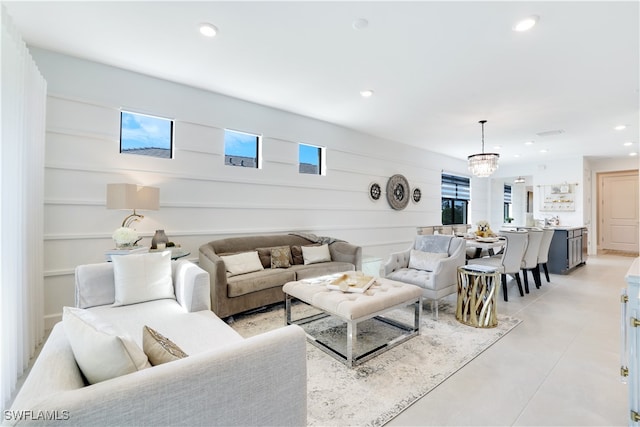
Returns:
point(416, 195)
point(375, 191)
point(398, 192)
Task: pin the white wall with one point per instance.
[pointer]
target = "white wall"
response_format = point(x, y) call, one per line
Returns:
point(201, 199)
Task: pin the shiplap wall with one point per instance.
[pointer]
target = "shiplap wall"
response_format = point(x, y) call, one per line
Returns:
point(201, 199)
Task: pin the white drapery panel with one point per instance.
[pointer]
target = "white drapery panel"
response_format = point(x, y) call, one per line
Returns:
point(21, 208)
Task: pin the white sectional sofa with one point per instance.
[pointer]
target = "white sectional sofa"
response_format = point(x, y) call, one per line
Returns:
point(225, 380)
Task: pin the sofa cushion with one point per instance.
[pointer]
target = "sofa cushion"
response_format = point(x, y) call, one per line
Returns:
point(193, 332)
point(266, 256)
point(425, 260)
point(158, 348)
point(244, 262)
point(142, 277)
point(257, 281)
point(100, 350)
point(281, 257)
point(321, 269)
point(296, 255)
point(433, 243)
point(422, 278)
point(316, 254)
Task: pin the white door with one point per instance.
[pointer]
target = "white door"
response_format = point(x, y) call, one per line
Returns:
point(619, 216)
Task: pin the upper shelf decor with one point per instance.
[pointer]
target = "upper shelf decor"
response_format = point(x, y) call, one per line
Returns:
point(557, 197)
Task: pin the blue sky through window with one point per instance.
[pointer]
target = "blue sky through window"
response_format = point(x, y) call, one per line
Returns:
point(240, 144)
point(139, 131)
point(309, 154)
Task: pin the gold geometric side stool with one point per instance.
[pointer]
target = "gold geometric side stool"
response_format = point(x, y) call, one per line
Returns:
point(477, 296)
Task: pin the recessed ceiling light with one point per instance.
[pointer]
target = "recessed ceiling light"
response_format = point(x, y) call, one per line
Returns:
point(516, 155)
point(367, 93)
point(544, 150)
point(528, 143)
point(633, 154)
point(620, 127)
point(497, 147)
point(208, 30)
point(360, 24)
point(628, 144)
point(526, 24)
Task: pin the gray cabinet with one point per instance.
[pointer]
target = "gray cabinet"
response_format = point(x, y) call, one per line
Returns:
point(567, 250)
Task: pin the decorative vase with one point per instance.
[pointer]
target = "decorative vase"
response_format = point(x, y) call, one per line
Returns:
point(159, 237)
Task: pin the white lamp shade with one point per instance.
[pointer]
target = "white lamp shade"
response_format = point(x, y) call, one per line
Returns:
point(132, 196)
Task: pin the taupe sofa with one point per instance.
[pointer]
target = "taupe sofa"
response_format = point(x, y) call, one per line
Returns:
point(235, 294)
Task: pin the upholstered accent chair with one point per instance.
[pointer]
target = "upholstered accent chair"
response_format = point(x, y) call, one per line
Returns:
point(431, 263)
point(509, 261)
point(543, 253)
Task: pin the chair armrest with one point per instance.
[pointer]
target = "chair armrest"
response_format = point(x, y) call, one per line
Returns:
point(258, 381)
point(214, 265)
point(346, 252)
point(396, 261)
point(446, 272)
point(191, 285)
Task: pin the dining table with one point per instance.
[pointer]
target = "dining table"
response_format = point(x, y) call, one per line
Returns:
point(490, 245)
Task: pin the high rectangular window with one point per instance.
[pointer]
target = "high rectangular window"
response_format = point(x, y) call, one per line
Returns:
point(146, 135)
point(507, 211)
point(242, 149)
point(311, 159)
point(455, 199)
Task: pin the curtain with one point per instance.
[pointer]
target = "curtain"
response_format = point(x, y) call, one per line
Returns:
point(23, 94)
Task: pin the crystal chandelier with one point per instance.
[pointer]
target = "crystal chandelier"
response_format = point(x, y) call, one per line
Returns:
point(483, 164)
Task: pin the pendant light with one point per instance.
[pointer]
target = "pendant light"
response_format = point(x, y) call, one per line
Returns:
point(484, 164)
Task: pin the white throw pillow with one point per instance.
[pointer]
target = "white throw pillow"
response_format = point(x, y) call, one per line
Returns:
point(245, 262)
point(316, 254)
point(100, 351)
point(142, 277)
point(425, 260)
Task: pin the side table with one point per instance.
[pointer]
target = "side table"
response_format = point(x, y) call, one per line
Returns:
point(477, 295)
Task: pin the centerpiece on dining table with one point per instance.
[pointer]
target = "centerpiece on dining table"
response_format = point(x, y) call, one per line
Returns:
point(484, 232)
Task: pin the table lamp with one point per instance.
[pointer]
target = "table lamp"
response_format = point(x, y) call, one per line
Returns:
point(132, 196)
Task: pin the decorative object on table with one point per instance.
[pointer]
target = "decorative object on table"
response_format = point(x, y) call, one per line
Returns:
point(416, 195)
point(484, 229)
point(352, 283)
point(132, 196)
point(483, 164)
point(375, 191)
point(125, 237)
point(125, 251)
point(398, 192)
point(159, 240)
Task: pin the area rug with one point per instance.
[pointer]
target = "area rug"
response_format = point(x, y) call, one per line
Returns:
point(375, 392)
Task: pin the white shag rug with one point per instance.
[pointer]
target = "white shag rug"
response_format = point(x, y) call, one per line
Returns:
point(374, 392)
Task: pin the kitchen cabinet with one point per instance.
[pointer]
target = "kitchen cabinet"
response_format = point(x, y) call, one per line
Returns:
point(568, 249)
point(630, 342)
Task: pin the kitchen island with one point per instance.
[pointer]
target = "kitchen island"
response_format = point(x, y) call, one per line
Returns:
point(568, 249)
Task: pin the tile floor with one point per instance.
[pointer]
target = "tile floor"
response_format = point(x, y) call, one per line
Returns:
point(560, 366)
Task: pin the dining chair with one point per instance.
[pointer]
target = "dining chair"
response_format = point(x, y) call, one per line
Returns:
point(509, 261)
point(543, 253)
point(530, 259)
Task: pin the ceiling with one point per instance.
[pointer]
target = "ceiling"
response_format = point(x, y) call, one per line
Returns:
point(436, 68)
